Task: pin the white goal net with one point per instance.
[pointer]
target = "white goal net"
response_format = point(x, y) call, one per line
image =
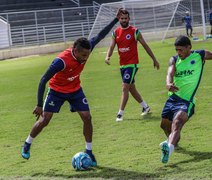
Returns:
point(157, 19)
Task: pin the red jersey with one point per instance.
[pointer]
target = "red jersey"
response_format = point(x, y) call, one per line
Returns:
point(126, 40)
point(67, 80)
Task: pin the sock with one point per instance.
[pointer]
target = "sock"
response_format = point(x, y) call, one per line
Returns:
point(29, 139)
point(166, 141)
point(88, 146)
point(171, 148)
point(143, 104)
point(121, 112)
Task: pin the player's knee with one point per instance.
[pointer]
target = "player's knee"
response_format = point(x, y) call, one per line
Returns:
point(125, 87)
point(86, 118)
point(163, 125)
point(177, 124)
point(43, 122)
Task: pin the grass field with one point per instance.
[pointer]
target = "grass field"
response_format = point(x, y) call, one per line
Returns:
point(125, 150)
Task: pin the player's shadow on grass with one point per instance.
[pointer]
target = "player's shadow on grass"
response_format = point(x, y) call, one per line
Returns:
point(196, 156)
point(99, 172)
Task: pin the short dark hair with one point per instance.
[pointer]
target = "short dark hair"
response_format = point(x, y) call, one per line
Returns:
point(124, 11)
point(182, 41)
point(82, 43)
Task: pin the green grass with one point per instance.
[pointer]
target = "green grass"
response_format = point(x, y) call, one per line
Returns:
point(126, 150)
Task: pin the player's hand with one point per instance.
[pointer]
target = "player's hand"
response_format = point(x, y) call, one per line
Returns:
point(107, 60)
point(38, 112)
point(156, 64)
point(171, 87)
point(118, 14)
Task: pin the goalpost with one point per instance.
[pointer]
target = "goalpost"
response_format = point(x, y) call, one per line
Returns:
point(157, 19)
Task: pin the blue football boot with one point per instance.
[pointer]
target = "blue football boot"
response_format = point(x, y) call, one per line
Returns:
point(165, 152)
point(25, 153)
point(94, 162)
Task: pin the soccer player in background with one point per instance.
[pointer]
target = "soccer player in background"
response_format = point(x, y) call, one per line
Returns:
point(126, 38)
point(64, 85)
point(187, 20)
point(182, 81)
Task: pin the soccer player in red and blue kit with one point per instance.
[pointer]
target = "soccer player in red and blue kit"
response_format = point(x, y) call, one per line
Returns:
point(126, 38)
point(64, 85)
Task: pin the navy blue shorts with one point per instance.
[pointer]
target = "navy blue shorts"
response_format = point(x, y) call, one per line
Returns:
point(128, 74)
point(188, 27)
point(175, 104)
point(54, 100)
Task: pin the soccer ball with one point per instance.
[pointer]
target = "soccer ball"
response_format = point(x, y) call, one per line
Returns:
point(81, 161)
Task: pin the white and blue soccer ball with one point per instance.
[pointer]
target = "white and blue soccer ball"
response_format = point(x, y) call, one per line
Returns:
point(81, 161)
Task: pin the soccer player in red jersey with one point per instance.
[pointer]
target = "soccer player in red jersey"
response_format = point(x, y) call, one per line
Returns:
point(126, 38)
point(64, 85)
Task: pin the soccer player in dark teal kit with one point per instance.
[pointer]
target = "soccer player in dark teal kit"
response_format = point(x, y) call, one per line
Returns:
point(182, 81)
point(64, 85)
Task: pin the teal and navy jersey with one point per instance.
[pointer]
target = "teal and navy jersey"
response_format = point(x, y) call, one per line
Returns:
point(187, 20)
point(210, 16)
point(188, 73)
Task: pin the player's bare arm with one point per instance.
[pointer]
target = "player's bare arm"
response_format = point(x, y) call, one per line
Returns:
point(208, 55)
point(148, 50)
point(170, 76)
point(110, 51)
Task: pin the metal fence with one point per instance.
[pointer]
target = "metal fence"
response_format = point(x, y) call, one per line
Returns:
point(67, 24)
point(49, 26)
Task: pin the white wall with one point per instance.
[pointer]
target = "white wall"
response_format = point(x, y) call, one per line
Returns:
point(34, 50)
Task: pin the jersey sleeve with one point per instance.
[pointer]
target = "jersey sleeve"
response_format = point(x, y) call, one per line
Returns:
point(201, 53)
point(114, 34)
point(175, 58)
point(56, 66)
point(95, 40)
point(137, 32)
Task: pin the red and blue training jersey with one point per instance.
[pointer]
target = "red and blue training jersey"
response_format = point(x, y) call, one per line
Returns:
point(126, 40)
point(68, 79)
point(64, 72)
